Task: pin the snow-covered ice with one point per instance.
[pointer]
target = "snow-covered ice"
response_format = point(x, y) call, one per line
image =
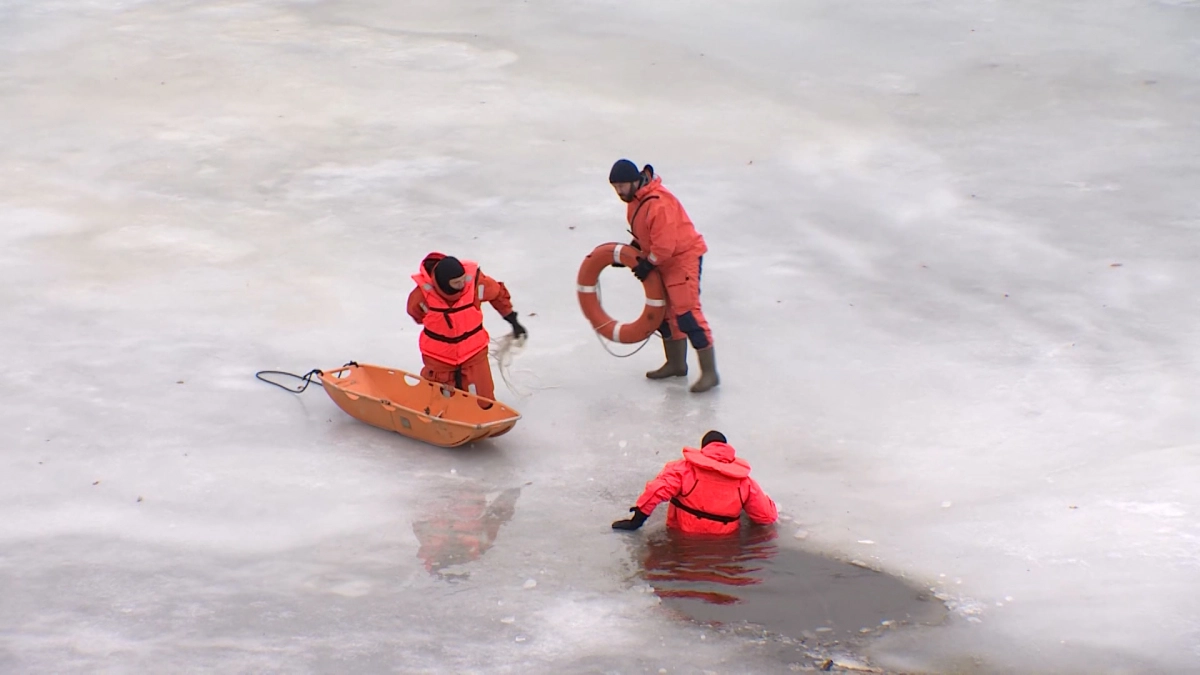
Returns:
point(953, 262)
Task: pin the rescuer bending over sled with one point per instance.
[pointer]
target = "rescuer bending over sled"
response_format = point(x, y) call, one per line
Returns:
point(708, 490)
point(670, 244)
point(448, 302)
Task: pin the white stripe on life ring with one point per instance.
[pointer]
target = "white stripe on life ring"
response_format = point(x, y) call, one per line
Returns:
point(616, 334)
point(586, 289)
point(617, 253)
point(655, 303)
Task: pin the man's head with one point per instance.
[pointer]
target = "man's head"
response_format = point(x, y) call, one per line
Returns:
point(713, 437)
point(450, 275)
point(626, 179)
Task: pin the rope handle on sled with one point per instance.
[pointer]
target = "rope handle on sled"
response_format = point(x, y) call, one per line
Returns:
point(306, 378)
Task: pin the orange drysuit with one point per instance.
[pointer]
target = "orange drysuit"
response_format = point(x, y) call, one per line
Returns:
point(708, 490)
point(669, 240)
point(454, 343)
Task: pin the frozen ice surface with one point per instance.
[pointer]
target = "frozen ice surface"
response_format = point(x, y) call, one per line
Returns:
point(953, 261)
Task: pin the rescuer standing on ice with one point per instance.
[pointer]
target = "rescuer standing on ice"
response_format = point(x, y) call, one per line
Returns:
point(669, 243)
point(448, 302)
point(708, 490)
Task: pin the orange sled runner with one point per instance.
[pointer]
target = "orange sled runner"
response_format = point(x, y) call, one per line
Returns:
point(392, 399)
point(589, 299)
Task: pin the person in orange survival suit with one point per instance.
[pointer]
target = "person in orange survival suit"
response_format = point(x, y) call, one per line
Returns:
point(708, 490)
point(670, 244)
point(448, 303)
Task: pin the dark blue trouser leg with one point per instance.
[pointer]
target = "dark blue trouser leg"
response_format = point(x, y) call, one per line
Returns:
point(688, 324)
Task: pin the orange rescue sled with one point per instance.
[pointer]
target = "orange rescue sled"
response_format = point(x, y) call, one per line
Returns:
point(392, 399)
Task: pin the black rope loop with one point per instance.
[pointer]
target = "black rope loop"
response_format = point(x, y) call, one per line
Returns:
point(307, 379)
point(601, 339)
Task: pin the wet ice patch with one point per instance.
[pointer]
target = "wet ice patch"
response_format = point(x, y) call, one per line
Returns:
point(966, 607)
point(347, 588)
point(444, 55)
point(421, 52)
point(576, 625)
point(893, 83)
point(17, 223)
point(186, 242)
point(339, 181)
point(233, 378)
point(1156, 509)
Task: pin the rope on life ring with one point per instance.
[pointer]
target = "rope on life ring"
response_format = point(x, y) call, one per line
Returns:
point(607, 327)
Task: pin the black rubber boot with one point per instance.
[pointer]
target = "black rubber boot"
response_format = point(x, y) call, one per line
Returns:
point(708, 371)
point(676, 365)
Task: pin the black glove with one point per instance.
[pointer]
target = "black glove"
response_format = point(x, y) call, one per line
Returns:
point(518, 330)
point(633, 244)
point(633, 523)
point(643, 269)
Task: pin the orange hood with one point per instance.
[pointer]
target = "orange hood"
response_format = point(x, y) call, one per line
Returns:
point(719, 457)
point(431, 260)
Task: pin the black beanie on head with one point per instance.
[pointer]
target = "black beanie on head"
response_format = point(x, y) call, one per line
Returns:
point(446, 269)
point(624, 171)
point(712, 437)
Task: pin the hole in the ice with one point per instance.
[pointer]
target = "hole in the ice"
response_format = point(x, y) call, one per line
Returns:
point(749, 577)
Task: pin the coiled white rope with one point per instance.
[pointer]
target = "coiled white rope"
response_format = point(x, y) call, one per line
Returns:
point(503, 352)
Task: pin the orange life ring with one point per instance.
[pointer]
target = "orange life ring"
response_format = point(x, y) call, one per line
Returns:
point(589, 273)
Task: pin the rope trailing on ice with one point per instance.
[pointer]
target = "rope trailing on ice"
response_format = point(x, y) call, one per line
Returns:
point(306, 378)
point(602, 341)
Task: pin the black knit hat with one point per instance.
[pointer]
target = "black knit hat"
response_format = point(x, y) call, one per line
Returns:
point(624, 171)
point(446, 269)
point(712, 437)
